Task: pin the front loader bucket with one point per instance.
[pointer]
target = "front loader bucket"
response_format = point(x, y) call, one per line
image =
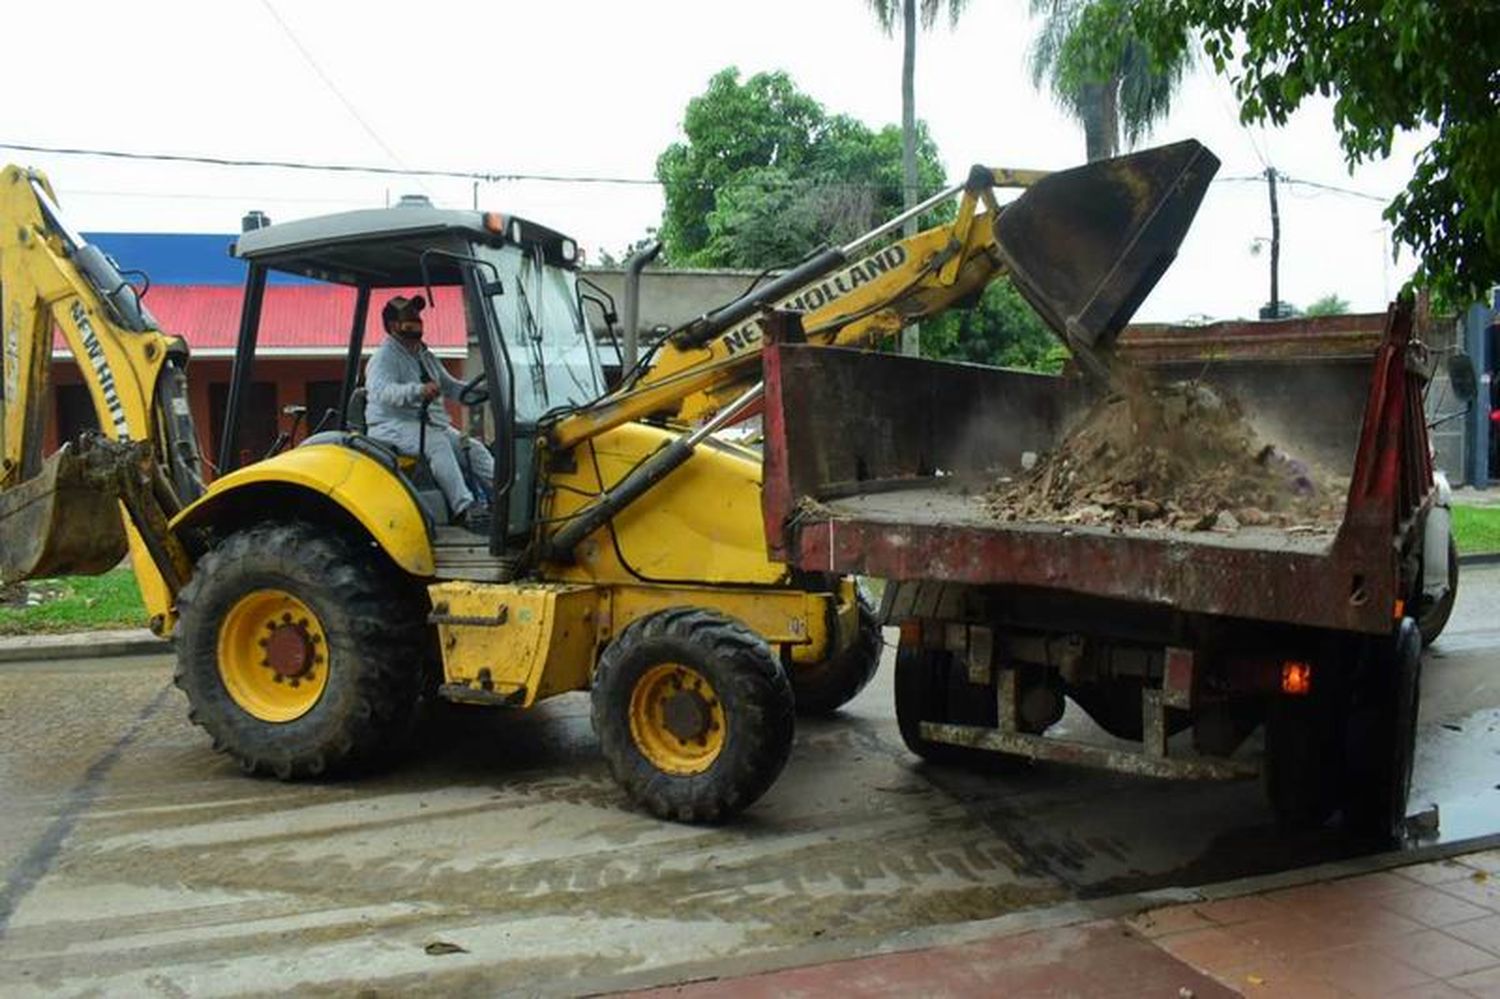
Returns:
point(64, 521)
point(1085, 246)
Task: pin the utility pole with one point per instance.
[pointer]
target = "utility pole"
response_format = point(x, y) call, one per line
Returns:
point(1273, 310)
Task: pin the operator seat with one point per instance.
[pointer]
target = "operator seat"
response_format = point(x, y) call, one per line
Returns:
point(412, 468)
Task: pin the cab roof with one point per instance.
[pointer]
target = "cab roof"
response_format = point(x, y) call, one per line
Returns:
point(383, 247)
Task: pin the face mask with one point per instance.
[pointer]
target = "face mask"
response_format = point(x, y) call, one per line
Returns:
point(409, 330)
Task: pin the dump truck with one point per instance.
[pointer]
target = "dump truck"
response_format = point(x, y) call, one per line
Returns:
point(1184, 643)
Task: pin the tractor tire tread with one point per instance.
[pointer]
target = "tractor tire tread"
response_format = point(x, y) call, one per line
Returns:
point(373, 629)
point(822, 688)
point(747, 677)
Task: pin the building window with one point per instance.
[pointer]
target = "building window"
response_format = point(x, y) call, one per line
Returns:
point(258, 420)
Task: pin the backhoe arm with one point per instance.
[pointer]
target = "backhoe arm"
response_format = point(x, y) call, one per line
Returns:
point(1083, 246)
point(76, 511)
point(843, 299)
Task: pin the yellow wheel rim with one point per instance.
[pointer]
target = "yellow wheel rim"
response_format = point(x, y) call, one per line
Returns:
point(273, 655)
point(677, 720)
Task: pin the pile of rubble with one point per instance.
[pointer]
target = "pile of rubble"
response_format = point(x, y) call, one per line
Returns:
point(1176, 456)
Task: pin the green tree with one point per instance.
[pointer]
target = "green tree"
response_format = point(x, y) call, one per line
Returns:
point(1001, 330)
point(1102, 73)
point(766, 175)
point(1329, 305)
point(1390, 67)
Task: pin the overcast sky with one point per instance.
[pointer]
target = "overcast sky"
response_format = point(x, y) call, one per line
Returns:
point(597, 89)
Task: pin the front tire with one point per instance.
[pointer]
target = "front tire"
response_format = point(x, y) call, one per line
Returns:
point(300, 652)
point(694, 714)
point(1432, 616)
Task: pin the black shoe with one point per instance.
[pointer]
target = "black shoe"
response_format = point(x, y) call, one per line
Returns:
point(476, 518)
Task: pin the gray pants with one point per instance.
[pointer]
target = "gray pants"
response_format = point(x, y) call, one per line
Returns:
point(444, 447)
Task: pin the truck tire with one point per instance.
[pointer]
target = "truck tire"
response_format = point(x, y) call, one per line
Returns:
point(300, 652)
point(1432, 616)
point(694, 714)
point(1303, 762)
point(822, 688)
point(1380, 743)
point(930, 688)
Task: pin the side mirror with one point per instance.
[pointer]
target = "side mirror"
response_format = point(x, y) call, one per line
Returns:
point(1462, 377)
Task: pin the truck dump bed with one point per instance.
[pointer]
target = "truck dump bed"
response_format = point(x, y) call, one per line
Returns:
point(876, 464)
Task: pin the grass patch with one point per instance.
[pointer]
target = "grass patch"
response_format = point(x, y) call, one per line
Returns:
point(73, 603)
point(1476, 528)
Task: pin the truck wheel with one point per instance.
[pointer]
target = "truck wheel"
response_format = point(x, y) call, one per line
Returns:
point(1382, 732)
point(929, 687)
point(1432, 616)
point(1303, 762)
point(694, 714)
point(299, 651)
point(822, 688)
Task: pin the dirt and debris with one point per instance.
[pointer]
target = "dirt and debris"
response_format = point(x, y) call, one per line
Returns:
point(1179, 456)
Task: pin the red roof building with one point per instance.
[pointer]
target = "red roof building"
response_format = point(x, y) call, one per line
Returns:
point(299, 357)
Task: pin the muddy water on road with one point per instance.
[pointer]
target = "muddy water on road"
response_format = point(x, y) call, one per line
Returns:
point(136, 861)
point(503, 836)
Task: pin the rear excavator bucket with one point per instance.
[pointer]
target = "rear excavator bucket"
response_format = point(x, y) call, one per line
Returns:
point(1085, 246)
point(64, 521)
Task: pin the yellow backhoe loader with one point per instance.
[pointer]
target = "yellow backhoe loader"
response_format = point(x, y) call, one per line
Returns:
point(316, 596)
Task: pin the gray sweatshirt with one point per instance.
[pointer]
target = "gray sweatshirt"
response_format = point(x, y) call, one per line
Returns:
point(393, 386)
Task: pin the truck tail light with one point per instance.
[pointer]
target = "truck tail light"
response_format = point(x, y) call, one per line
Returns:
point(911, 633)
point(1296, 678)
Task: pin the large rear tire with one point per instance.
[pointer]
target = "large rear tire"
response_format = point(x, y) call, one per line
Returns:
point(694, 714)
point(822, 688)
point(1381, 735)
point(931, 687)
point(300, 652)
point(1303, 762)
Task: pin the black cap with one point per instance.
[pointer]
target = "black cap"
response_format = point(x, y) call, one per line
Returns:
point(401, 308)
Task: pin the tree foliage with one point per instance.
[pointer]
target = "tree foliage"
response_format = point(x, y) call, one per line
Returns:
point(1331, 304)
point(766, 175)
point(1389, 66)
point(1100, 71)
point(1001, 330)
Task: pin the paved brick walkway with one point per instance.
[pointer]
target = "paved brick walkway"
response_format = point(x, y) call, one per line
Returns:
point(1429, 930)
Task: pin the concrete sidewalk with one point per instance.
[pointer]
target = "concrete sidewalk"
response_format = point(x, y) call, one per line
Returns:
point(81, 645)
point(1426, 928)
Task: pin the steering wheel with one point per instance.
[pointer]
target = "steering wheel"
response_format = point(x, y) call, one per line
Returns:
point(475, 392)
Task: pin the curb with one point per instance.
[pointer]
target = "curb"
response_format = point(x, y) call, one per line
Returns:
point(1480, 558)
point(1067, 913)
point(86, 645)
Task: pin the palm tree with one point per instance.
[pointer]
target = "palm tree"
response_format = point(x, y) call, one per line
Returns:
point(885, 13)
point(1101, 72)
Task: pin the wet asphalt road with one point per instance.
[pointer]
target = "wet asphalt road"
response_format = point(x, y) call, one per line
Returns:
point(136, 861)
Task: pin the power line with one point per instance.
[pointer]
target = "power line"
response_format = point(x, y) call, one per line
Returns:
point(222, 161)
point(1260, 178)
point(1336, 190)
point(328, 82)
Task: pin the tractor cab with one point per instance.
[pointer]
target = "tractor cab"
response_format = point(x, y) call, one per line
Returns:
point(510, 284)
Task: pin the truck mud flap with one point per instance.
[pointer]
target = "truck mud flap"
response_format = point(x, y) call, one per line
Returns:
point(63, 521)
point(1086, 246)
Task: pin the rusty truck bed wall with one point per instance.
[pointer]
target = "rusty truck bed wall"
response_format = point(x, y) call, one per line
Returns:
point(873, 464)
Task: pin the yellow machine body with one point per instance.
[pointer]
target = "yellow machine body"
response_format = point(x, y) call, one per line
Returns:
point(357, 483)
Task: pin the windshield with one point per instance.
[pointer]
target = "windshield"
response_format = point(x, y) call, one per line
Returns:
point(541, 321)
